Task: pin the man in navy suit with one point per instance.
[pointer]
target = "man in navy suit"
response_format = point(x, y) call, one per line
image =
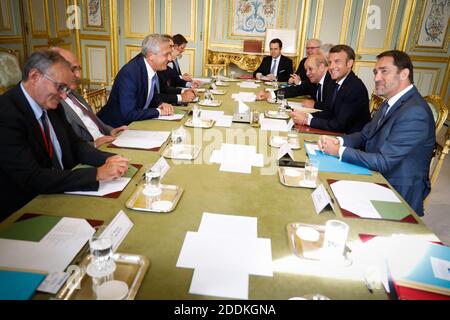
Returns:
point(312, 47)
point(276, 65)
point(39, 147)
point(346, 103)
point(319, 80)
point(134, 95)
point(399, 140)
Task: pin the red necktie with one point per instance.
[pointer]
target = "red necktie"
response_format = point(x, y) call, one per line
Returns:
point(85, 111)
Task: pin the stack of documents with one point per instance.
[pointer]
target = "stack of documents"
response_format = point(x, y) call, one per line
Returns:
point(369, 200)
point(221, 119)
point(237, 158)
point(174, 117)
point(244, 96)
point(202, 80)
point(141, 139)
point(224, 252)
point(248, 85)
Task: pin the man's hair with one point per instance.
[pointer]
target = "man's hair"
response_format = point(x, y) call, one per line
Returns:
point(42, 60)
point(319, 42)
point(276, 40)
point(318, 59)
point(152, 43)
point(179, 40)
point(347, 49)
point(325, 48)
point(168, 36)
point(401, 61)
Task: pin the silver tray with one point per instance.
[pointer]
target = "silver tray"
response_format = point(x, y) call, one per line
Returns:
point(278, 141)
point(206, 124)
point(138, 201)
point(211, 103)
point(290, 180)
point(311, 248)
point(184, 152)
point(276, 115)
point(130, 268)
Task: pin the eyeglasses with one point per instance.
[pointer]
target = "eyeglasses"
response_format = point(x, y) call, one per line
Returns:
point(307, 48)
point(61, 87)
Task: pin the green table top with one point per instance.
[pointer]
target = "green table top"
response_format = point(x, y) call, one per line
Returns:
point(160, 236)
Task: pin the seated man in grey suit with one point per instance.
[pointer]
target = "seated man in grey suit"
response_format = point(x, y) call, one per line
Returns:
point(399, 140)
point(78, 112)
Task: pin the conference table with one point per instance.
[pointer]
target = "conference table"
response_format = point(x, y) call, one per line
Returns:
point(160, 236)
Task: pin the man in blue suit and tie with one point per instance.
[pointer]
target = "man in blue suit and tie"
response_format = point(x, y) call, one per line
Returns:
point(134, 95)
point(399, 140)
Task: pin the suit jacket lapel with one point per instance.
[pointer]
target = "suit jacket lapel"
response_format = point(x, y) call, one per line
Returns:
point(22, 103)
point(393, 109)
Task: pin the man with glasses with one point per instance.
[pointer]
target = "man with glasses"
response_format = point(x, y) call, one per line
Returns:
point(78, 112)
point(134, 95)
point(39, 147)
point(312, 47)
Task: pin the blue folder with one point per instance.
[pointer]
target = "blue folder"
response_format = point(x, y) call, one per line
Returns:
point(17, 285)
point(329, 163)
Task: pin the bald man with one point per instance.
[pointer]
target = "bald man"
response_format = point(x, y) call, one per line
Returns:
point(319, 80)
point(78, 112)
point(312, 47)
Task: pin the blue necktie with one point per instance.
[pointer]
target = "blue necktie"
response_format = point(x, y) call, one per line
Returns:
point(274, 66)
point(383, 110)
point(319, 92)
point(152, 91)
point(336, 89)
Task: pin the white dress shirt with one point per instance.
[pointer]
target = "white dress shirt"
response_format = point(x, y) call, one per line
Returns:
point(88, 123)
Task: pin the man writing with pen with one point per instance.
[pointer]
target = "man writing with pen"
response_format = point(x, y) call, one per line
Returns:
point(39, 147)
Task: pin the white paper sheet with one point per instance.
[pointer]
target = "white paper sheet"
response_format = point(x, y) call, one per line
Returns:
point(441, 268)
point(238, 226)
point(174, 117)
point(210, 250)
point(105, 187)
point(248, 85)
point(220, 283)
point(53, 253)
point(299, 107)
point(356, 197)
point(237, 158)
point(202, 80)
point(244, 96)
point(274, 125)
point(141, 139)
point(224, 121)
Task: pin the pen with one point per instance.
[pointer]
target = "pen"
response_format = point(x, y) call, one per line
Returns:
point(311, 141)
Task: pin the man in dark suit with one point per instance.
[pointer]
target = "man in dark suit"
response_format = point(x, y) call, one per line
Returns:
point(346, 103)
point(173, 89)
point(276, 65)
point(319, 81)
point(399, 140)
point(79, 114)
point(134, 95)
point(312, 47)
point(179, 44)
point(39, 147)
